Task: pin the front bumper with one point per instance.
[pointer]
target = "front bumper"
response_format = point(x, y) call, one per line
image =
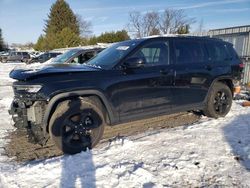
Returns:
point(27, 112)
point(18, 111)
point(29, 115)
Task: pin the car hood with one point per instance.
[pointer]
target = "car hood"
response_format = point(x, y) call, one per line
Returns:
point(29, 72)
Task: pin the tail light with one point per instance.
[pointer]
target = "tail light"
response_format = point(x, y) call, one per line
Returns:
point(241, 65)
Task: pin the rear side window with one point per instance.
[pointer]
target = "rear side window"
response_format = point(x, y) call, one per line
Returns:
point(217, 51)
point(231, 51)
point(187, 51)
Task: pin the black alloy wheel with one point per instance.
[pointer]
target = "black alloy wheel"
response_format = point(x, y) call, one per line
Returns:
point(79, 129)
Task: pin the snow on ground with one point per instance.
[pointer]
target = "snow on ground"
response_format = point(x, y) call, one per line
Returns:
point(212, 152)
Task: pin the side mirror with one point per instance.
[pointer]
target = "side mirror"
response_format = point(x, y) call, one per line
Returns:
point(134, 62)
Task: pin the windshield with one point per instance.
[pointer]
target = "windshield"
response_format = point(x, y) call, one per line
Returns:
point(65, 56)
point(109, 57)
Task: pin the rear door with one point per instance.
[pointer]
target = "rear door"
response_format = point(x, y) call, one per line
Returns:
point(193, 73)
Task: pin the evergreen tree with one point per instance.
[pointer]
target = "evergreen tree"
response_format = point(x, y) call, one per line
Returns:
point(40, 44)
point(61, 28)
point(1, 41)
point(110, 37)
point(67, 38)
point(61, 16)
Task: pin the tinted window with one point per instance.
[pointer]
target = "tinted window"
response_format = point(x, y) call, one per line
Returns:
point(46, 56)
point(217, 51)
point(154, 53)
point(54, 54)
point(187, 51)
point(231, 51)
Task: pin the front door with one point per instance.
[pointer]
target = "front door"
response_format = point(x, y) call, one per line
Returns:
point(146, 91)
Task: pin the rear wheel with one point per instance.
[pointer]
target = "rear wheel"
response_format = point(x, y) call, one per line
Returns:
point(77, 125)
point(219, 101)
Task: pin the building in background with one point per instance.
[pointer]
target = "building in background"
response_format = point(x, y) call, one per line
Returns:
point(238, 36)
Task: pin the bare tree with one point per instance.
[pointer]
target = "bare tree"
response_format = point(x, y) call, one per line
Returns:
point(154, 23)
point(172, 19)
point(135, 24)
point(143, 25)
point(151, 23)
point(84, 25)
point(166, 21)
point(200, 28)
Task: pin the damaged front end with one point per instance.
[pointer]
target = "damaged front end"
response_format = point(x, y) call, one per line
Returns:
point(27, 110)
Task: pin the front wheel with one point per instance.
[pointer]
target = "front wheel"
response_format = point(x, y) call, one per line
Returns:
point(77, 125)
point(219, 101)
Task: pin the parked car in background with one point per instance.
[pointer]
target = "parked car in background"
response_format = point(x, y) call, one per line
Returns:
point(35, 54)
point(3, 55)
point(16, 56)
point(77, 55)
point(44, 57)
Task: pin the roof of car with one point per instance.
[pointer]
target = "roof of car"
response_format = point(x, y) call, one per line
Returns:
point(181, 36)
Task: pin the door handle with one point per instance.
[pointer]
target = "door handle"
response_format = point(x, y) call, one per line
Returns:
point(208, 67)
point(164, 72)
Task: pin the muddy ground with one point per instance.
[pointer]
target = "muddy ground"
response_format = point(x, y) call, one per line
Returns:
point(19, 149)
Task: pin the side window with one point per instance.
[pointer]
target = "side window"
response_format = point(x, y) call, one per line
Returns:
point(52, 55)
point(154, 53)
point(86, 56)
point(217, 51)
point(187, 51)
point(76, 59)
point(231, 51)
point(46, 56)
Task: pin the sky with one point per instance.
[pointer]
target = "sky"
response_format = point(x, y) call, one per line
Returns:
point(23, 21)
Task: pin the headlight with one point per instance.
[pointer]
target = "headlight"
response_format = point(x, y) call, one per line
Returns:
point(27, 88)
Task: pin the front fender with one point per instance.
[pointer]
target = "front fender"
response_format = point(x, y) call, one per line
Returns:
point(53, 102)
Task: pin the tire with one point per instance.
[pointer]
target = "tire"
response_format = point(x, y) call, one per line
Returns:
point(219, 101)
point(77, 124)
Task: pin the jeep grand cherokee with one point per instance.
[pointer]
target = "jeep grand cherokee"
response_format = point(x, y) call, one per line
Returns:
point(131, 80)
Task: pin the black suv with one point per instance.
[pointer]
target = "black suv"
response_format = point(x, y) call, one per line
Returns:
point(131, 80)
